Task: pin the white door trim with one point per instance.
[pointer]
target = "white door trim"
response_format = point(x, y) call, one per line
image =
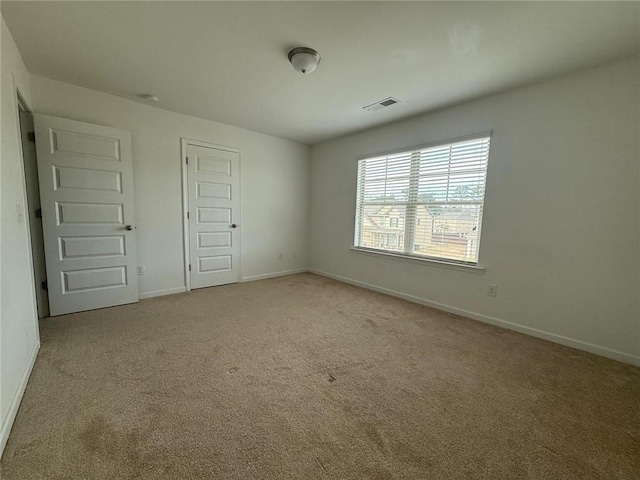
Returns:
point(184, 142)
point(22, 103)
point(6, 423)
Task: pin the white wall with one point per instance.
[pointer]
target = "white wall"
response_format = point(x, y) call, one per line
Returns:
point(274, 188)
point(561, 229)
point(19, 341)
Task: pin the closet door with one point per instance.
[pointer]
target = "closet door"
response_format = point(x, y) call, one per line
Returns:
point(213, 176)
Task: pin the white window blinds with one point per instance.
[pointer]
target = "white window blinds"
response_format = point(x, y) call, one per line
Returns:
point(425, 202)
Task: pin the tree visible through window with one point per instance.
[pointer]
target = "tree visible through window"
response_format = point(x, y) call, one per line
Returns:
point(428, 199)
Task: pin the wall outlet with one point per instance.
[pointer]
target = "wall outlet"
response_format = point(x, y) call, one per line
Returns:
point(280, 256)
point(492, 290)
point(142, 270)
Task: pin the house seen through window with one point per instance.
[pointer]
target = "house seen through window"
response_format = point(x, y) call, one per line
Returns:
point(425, 202)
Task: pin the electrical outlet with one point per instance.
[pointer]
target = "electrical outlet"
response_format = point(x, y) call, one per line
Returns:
point(280, 256)
point(142, 270)
point(492, 290)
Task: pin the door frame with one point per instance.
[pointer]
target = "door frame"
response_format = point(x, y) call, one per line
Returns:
point(32, 184)
point(21, 103)
point(186, 238)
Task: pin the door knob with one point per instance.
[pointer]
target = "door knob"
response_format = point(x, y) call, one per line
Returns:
point(234, 225)
point(129, 227)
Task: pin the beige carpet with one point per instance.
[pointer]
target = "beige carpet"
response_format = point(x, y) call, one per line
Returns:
point(302, 377)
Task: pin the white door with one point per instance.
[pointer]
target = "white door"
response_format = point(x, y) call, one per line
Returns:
point(213, 178)
point(86, 192)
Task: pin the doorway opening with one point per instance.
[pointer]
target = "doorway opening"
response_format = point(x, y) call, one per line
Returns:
point(34, 217)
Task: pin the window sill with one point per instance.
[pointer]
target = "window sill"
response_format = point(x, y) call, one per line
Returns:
point(429, 261)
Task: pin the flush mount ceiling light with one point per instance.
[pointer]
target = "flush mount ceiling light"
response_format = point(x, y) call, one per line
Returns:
point(304, 60)
point(149, 97)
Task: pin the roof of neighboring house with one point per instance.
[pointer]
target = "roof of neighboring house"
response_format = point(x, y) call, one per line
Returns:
point(451, 214)
point(462, 214)
point(379, 228)
point(387, 209)
point(457, 215)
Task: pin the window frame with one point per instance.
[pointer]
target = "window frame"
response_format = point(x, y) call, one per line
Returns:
point(437, 261)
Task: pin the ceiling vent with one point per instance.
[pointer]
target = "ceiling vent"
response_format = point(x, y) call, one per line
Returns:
point(387, 102)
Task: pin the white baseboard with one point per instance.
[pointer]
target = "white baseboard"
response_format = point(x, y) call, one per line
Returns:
point(160, 293)
point(273, 275)
point(15, 403)
point(552, 337)
point(171, 291)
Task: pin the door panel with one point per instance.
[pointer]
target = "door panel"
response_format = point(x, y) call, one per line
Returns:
point(213, 178)
point(93, 279)
point(85, 145)
point(87, 247)
point(65, 177)
point(86, 190)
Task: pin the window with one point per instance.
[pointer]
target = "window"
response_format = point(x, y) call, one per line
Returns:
point(435, 193)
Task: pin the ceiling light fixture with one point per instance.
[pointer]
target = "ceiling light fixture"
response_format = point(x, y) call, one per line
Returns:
point(304, 60)
point(149, 97)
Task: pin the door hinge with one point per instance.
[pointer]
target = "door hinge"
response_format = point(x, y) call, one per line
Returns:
point(44, 285)
point(189, 267)
point(38, 213)
point(31, 136)
point(188, 215)
point(186, 159)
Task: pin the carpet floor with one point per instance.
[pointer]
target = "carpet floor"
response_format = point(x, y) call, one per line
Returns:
point(303, 377)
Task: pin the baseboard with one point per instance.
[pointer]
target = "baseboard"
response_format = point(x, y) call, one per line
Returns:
point(160, 293)
point(171, 291)
point(15, 404)
point(552, 337)
point(264, 276)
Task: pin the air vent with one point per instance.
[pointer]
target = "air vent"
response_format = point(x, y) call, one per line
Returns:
point(381, 104)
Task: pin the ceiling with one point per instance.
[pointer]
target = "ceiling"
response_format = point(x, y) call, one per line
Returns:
point(227, 61)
